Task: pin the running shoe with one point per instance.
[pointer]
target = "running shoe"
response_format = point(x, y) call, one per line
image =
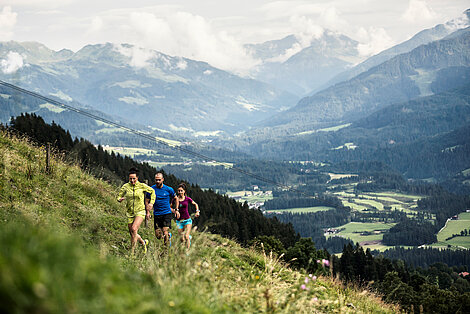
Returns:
point(146, 243)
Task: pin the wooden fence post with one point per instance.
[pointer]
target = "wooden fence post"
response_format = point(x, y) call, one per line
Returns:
point(48, 158)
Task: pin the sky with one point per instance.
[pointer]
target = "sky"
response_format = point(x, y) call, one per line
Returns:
point(215, 31)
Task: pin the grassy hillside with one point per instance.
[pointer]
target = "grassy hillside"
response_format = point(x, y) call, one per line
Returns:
point(65, 243)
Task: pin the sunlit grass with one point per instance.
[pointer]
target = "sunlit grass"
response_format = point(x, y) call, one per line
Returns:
point(65, 248)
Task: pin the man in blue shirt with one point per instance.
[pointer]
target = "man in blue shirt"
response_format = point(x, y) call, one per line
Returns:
point(162, 210)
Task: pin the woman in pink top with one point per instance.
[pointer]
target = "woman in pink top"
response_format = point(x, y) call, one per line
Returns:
point(185, 222)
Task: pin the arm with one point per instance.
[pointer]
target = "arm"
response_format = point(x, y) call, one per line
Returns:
point(122, 193)
point(197, 208)
point(176, 210)
point(148, 208)
point(149, 201)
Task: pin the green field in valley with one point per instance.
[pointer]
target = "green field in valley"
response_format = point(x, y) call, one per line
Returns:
point(251, 196)
point(356, 232)
point(379, 201)
point(455, 227)
point(302, 210)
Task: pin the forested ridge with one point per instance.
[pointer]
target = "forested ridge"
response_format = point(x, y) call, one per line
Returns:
point(436, 289)
point(219, 213)
point(225, 216)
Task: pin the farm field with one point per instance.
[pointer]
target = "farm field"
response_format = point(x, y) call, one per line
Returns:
point(131, 151)
point(301, 210)
point(353, 231)
point(379, 201)
point(454, 227)
point(251, 196)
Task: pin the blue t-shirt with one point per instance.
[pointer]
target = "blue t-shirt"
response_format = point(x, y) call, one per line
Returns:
point(164, 195)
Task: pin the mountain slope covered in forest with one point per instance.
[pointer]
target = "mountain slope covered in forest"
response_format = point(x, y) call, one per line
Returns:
point(426, 70)
point(64, 244)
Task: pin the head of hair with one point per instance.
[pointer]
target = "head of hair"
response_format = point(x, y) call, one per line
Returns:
point(182, 185)
point(159, 174)
point(134, 171)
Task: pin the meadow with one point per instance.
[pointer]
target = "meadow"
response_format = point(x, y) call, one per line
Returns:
point(301, 210)
point(455, 227)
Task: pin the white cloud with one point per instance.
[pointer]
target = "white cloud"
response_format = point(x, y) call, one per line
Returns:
point(418, 11)
point(305, 29)
point(187, 35)
point(458, 23)
point(7, 23)
point(139, 56)
point(12, 63)
point(182, 64)
point(374, 40)
point(96, 25)
point(330, 18)
point(37, 3)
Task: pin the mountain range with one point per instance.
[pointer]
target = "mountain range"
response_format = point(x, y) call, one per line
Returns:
point(288, 65)
point(145, 86)
point(422, 38)
point(424, 71)
point(180, 97)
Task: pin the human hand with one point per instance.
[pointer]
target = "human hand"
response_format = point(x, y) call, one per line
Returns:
point(177, 214)
point(148, 207)
point(197, 214)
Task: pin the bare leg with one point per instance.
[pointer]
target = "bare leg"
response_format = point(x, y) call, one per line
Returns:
point(166, 236)
point(133, 228)
point(181, 234)
point(187, 231)
point(158, 233)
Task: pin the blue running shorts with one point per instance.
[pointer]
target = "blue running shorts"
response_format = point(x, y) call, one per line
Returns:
point(181, 223)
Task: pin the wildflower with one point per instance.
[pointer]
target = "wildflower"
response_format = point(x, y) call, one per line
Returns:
point(326, 262)
point(171, 303)
point(306, 279)
point(315, 299)
point(318, 261)
point(310, 275)
point(303, 287)
point(256, 277)
point(314, 278)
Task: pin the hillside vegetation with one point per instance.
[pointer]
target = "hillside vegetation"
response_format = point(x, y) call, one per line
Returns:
point(64, 245)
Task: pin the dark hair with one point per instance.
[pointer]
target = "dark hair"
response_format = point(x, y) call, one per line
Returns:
point(182, 185)
point(134, 171)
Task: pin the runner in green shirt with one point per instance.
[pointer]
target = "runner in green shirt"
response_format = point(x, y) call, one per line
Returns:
point(134, 193)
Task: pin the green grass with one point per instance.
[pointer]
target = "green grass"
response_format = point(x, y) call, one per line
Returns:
point(302, 210)
point(454, 227)
point(353, 231)
point(65, 249)
point(378, 201)
point(251, 196)
point(370, 203)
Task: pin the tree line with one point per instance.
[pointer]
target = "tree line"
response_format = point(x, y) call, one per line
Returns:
point(436, 289)
point(221, 214)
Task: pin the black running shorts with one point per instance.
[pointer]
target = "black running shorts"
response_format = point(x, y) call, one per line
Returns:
point(161, 221)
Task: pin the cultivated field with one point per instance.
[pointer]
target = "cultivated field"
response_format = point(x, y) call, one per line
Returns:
point(455, 227)
point(368, 235)
point(302, 210)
